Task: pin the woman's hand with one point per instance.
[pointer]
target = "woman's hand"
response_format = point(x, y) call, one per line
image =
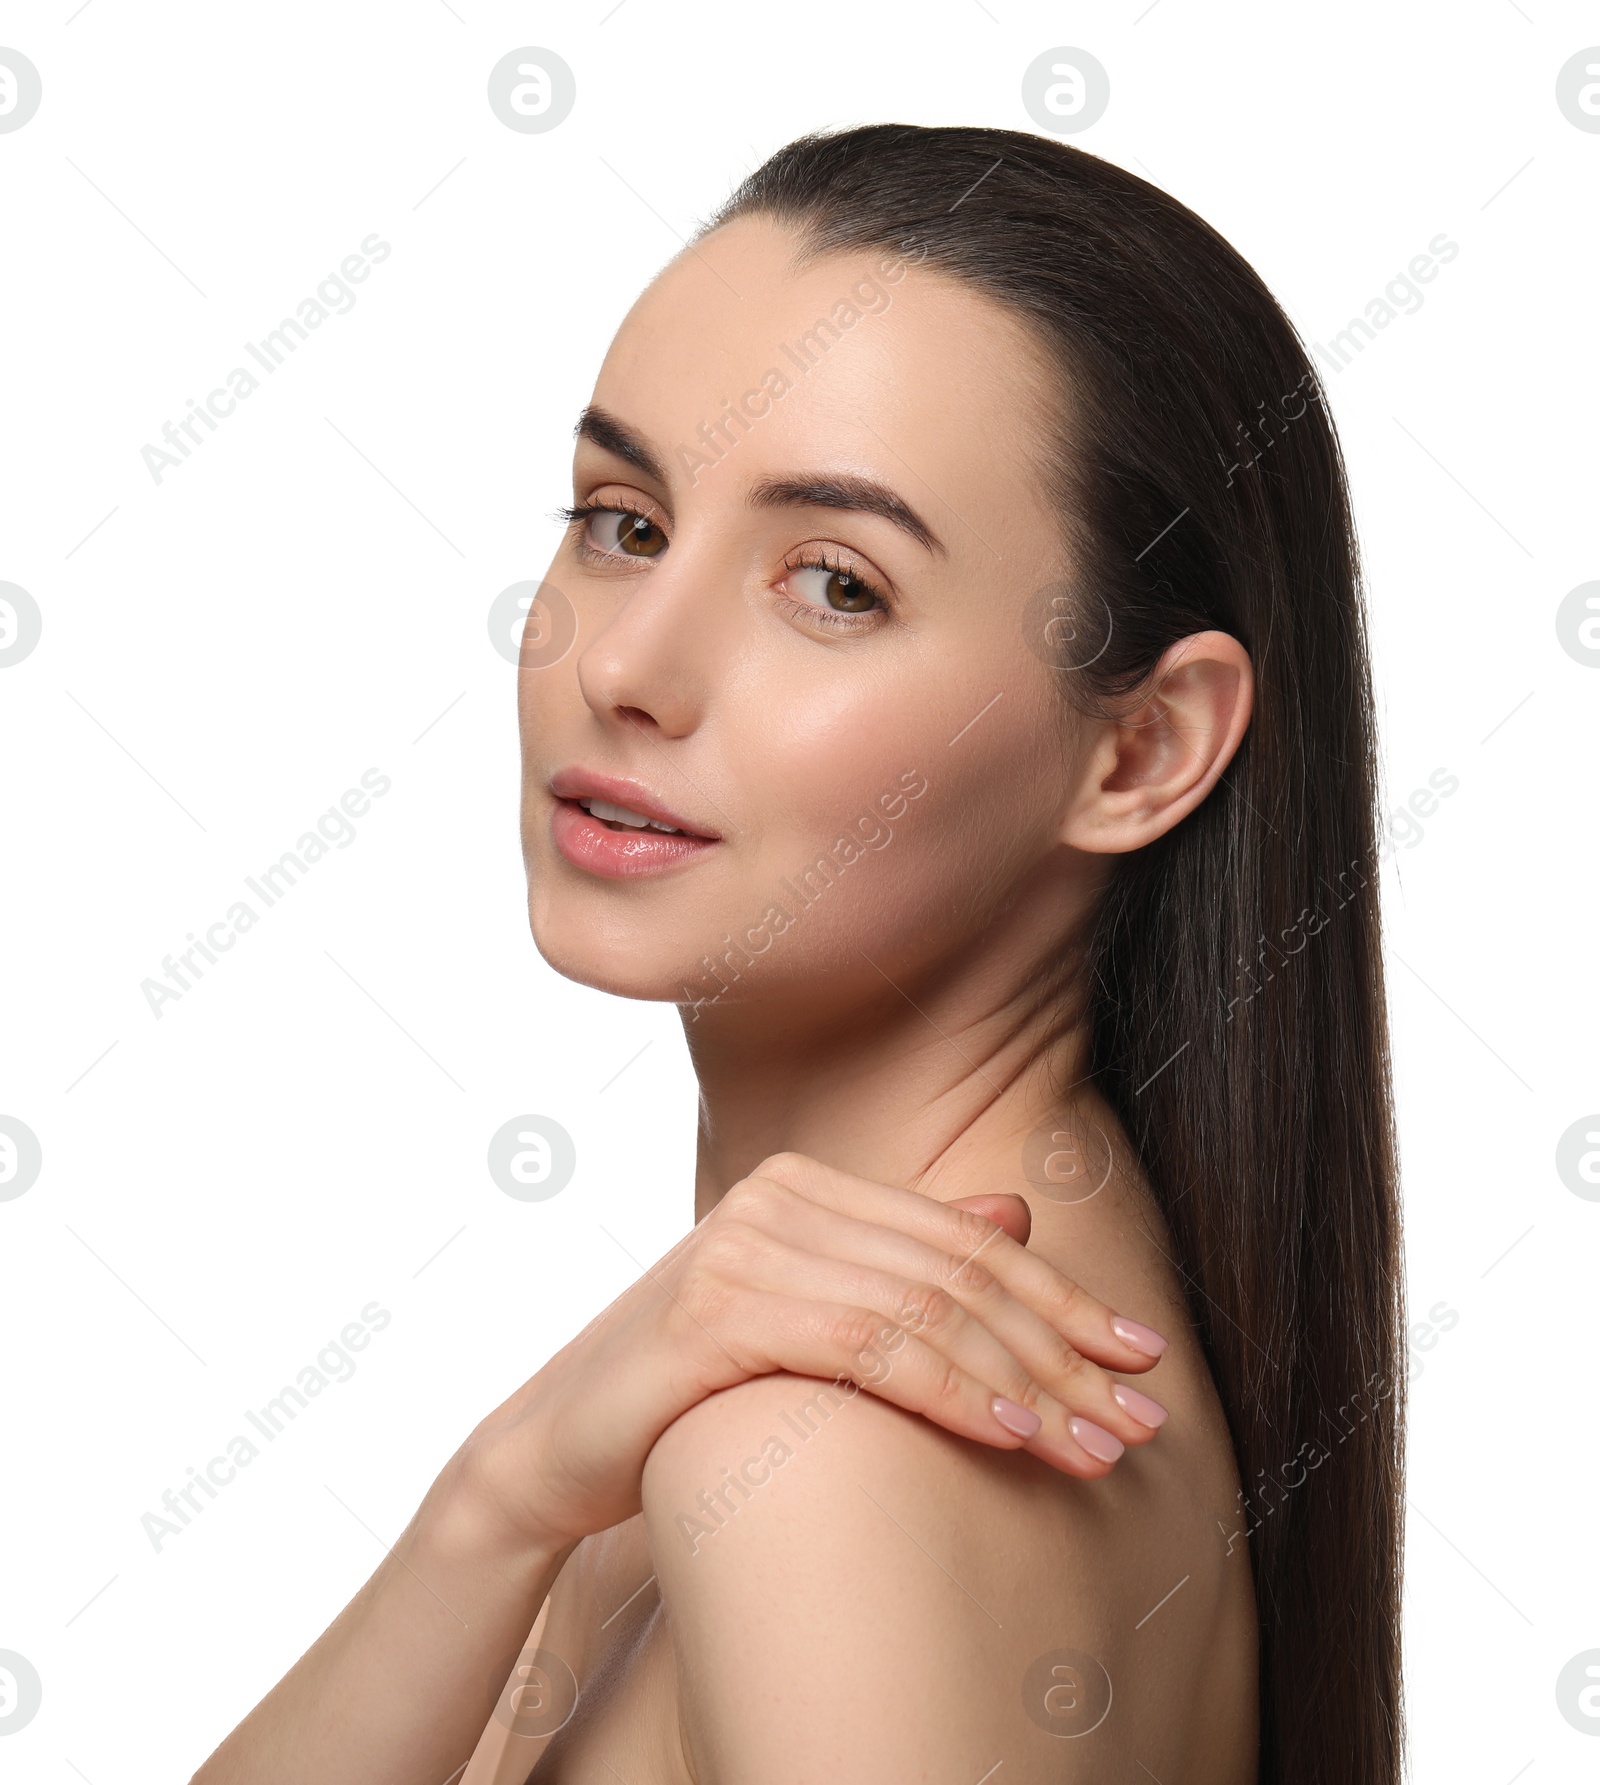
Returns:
point(937, 1307)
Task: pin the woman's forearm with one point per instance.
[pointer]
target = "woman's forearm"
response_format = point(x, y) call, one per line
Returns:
point(397, 1689)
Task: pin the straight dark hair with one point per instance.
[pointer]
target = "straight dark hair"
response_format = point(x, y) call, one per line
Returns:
point(1237, 1014)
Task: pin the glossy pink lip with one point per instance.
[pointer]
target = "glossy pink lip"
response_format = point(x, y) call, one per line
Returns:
point(583, 784)
point(592, 845)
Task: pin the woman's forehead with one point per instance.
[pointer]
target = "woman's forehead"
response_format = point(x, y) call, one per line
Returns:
point(738, 357)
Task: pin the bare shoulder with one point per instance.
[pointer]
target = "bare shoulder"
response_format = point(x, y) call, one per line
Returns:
point(855, 1593)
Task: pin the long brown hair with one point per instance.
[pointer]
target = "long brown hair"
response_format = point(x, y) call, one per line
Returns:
point(1238, 1017)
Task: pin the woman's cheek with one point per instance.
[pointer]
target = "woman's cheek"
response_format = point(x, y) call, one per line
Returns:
point(898, 801)
point(864, 876)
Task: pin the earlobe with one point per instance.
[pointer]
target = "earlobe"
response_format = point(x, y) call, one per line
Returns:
point(1151, 765)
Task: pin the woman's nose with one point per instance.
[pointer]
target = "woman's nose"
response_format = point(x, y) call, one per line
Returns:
point(650, 662)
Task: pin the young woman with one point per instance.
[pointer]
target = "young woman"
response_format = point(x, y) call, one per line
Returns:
point(967, 724)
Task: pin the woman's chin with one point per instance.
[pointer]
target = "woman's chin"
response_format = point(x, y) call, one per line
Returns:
point(583, 954)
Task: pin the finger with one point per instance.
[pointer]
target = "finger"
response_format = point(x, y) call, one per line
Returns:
point(1092, 1329)
point(856, 1260)
point(1003, 1207)
point(840, 1342)
point(1091, 1424)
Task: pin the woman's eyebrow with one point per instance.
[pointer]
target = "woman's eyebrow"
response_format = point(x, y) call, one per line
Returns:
point(604, 430)
point(862, 495)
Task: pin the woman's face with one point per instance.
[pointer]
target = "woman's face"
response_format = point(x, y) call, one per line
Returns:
point(818, 517)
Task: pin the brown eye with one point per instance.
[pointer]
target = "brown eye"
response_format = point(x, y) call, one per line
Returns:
point(616, 530)
point(848, 593)
point(819, 585)
point(638, 537)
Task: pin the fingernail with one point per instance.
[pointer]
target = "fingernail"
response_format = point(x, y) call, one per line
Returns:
point(1137, 1406)
point(1096, 1439)
point(1139, 1337)
point(1019, 1420)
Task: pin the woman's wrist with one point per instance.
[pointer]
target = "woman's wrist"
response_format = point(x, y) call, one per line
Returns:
point(469, 1518)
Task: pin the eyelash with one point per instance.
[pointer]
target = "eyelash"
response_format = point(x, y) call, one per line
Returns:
point(577, 515)
point(821, 558)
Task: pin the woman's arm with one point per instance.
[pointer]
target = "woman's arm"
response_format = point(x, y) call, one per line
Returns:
point(396, 1691)
point(799, 1268)
point(856, 1595)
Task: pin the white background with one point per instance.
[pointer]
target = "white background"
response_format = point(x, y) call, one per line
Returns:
point(224, 653)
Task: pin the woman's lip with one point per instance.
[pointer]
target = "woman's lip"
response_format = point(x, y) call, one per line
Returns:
point(581, 784)
point(589, 844)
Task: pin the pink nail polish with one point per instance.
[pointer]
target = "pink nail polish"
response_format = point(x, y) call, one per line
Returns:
point(1096, 1439)
point(1137, 1406)
point(1141, 1338)
point(1018, 1419)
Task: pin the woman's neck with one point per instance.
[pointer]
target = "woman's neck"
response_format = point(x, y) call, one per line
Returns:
point(921, 1087)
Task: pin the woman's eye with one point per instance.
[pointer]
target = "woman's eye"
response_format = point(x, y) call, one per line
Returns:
point(821, 586)
point(616, 530)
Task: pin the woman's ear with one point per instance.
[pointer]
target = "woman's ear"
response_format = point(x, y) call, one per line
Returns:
point(1152, 765)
